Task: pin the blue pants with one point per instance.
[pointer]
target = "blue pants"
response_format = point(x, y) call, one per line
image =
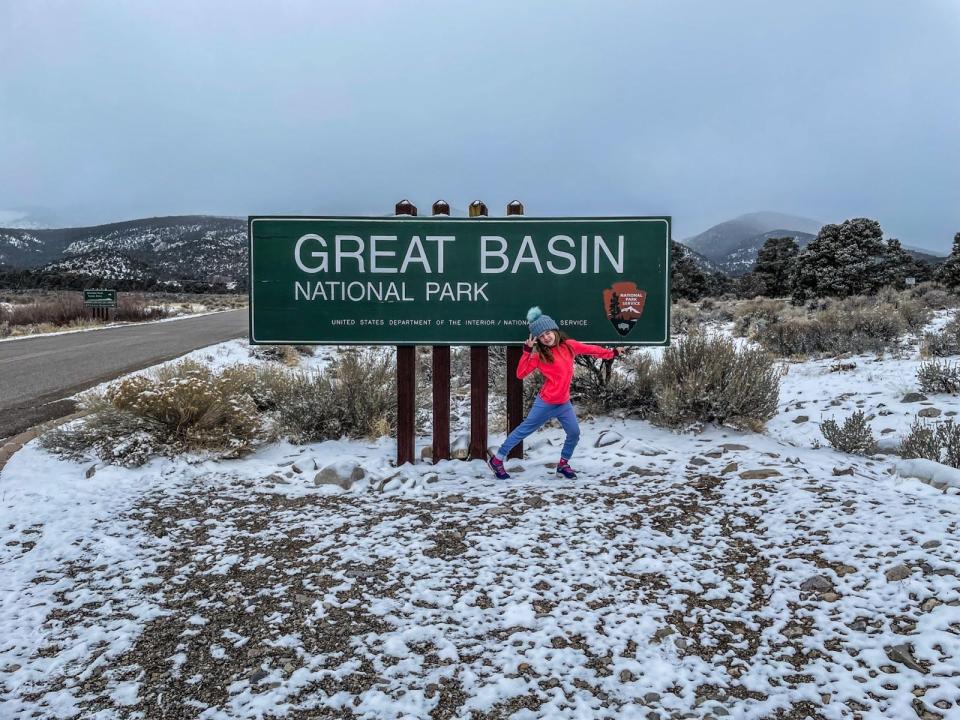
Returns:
point(539, 414)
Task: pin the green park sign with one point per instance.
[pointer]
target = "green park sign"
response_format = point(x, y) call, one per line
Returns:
point(98, 297)
point(457, 281)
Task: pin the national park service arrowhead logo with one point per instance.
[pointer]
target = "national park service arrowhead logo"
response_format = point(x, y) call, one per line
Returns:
point(624, 305)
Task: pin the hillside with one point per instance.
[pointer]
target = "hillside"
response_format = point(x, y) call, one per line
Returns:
point(195, 247)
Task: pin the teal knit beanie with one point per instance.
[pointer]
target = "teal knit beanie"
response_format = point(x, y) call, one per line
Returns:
point(539, 323)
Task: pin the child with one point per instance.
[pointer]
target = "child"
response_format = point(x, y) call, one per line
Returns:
point(551, 352)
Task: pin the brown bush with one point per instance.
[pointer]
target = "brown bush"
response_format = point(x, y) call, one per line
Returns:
point(709, 379)
point(944, 342)
point(749, 316)
point(180, 408)
point(354, 397)
point(835, 330)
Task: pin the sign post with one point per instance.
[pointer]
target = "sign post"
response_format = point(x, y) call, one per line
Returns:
point(441, 382)
point(406, 381)
point(514, 385)
point(479, 378)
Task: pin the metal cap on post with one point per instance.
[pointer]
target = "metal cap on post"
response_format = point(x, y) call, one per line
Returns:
point(405, 207)
point(478, 209)
point(440, 207)
point(515, 208)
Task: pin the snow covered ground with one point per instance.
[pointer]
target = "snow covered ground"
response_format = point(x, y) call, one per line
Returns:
point(719, 574)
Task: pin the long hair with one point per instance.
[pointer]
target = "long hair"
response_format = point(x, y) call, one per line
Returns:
point(547, 353)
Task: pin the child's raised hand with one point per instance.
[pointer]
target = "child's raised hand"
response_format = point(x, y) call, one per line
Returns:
point(529, 341)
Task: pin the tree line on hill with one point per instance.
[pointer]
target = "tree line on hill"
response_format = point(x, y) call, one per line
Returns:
point(40, 279)
point(851, 258)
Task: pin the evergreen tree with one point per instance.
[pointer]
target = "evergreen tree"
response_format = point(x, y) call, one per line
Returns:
point(775, 262)
point(949, 272)
point(687, 280)
point(750, 285)
point(846, 259)
point(903, 264)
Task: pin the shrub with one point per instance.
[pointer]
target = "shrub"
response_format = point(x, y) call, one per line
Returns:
point(640, 395)
point(944, 342)
point(596, 385)
point(714, 311)
point(683, 318)
point(355, 396)
point(181, 408)
point(285, 354)
point(749, 316)
point(855, 436)
point(850, 328)
point(932, 441)
point(937, 377)
point(932, 296)
point(709, 379)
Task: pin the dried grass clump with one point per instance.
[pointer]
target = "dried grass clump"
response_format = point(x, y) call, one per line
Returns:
point(283, 354)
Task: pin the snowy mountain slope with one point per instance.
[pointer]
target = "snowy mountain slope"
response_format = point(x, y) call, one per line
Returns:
point(178, 248)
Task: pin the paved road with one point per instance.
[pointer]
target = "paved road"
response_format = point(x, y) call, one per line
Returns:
point(37, 374)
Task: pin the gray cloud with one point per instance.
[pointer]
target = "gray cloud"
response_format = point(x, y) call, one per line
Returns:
point(698, 110)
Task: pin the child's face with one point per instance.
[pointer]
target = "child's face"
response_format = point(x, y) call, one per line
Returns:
point(548, 338)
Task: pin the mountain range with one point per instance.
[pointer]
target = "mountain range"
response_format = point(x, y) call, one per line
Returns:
point(206, 248)
point(194, 247)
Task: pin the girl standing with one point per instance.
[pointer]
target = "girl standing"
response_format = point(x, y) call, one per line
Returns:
point(551, 352)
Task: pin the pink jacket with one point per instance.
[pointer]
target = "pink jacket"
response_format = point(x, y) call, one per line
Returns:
point(559, 373)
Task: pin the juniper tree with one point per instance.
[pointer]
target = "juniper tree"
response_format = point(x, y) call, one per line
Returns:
point(775, 262)
point(687, 279)
point(842, 260)
point(949, 272)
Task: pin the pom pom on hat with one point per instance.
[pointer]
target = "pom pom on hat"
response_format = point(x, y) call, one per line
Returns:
point(533, 313)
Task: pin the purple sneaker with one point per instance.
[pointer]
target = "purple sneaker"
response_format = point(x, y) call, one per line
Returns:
point(497, 465)
point(563, 468)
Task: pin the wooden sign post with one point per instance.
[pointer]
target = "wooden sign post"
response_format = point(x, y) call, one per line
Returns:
point(441, 382)
point(514, 386)
point(406, 381)
point(479, 376)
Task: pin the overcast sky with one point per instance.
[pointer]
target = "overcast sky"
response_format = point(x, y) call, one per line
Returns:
point(700, 110)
